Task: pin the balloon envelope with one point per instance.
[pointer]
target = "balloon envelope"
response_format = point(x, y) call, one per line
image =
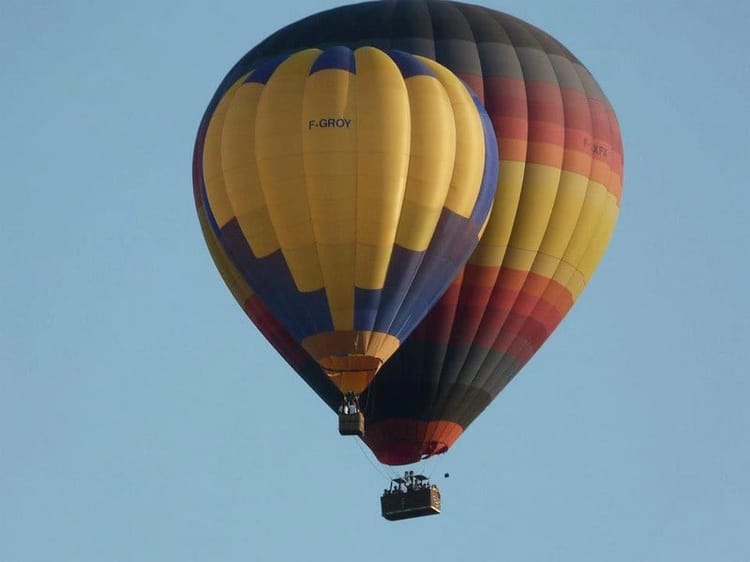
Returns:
point(347, 188)
point(557, 201)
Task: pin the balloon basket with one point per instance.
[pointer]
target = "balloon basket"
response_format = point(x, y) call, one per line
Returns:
point(352, 424)
point(408, 497)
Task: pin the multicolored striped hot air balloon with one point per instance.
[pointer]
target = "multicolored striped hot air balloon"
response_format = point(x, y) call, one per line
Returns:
point(347, 188)
point(557, 201)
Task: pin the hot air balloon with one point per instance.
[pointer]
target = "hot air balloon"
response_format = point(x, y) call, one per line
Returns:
point(347, 188)
point(556, 205)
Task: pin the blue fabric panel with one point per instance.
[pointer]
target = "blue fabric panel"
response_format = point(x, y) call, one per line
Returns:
point(402, 270)
point(409, 65)
point(366, 303)
point(264, 71)
point(341, 58)
point(303, 314)
point(204, 197)
point(449, 249)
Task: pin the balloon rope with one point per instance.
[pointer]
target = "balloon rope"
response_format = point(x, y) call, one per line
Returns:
point(436, 462)
point(376, 467)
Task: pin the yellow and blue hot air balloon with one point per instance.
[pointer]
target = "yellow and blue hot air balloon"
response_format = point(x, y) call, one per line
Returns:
point(346, 188)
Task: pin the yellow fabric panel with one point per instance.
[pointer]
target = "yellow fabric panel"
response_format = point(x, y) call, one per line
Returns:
point(587, 243)
point(241, 180)
point(221, 207)
point(468, 166)
point(330, 156)
point(494, 240)
point(571, 194)
point(417, 225)
point(433, 146)
point(535, 207)
point(545, 265)
point(588, 220)
point(281, 167)
point(484, 226)
point(338, 274)
point(590, 239)
point(575, 278)
point(383, 138)
point(601, 237)
point(570, 278)
point(518, 258)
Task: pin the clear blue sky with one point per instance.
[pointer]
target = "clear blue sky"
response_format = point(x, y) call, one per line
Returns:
point(142, 418)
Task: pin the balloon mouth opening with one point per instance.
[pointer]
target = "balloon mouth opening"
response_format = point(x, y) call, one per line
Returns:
point(401, 441)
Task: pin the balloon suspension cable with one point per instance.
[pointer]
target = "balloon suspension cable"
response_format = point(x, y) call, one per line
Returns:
point(377, 468)
point(350, 403)
point(432, 465)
